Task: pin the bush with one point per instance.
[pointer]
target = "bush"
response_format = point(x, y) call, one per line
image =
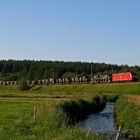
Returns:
point(23, 84)
point(77, 110)
point(111, 98)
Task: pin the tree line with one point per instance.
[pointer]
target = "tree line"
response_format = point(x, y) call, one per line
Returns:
point(12, 70)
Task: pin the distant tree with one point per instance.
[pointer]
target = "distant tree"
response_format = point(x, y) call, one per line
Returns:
point(68, 75)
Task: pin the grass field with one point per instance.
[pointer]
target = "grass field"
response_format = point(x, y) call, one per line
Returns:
point(16, 121)
point(67, 91)
point(16, 110)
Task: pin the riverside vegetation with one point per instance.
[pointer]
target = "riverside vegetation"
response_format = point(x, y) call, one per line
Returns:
point(59, 105)
point(128, 117)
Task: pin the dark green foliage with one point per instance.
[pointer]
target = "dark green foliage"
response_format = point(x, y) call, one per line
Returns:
point(68, 75)
point(99, 103)
point(14, 70)
point(128, 116)
point(22, 85)
point(111, 98)
point(77, 110)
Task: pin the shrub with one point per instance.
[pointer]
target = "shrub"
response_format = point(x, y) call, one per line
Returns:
point(76, 110)
point(23, 84)
point(112, 98)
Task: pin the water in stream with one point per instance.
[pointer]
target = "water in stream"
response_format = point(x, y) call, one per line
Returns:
point(102, 122)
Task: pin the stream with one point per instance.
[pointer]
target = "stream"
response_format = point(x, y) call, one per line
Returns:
point(102, 122)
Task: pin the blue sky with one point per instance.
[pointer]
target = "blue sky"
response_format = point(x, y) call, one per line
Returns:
point(71, 30)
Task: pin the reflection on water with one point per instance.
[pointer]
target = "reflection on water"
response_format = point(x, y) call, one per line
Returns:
point(102, 122)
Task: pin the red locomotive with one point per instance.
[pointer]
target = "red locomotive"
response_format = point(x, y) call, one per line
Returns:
point(129, 76)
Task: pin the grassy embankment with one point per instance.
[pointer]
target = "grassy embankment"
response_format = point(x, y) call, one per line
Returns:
point(128, 116)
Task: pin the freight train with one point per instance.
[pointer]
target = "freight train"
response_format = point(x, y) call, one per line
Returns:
point(116, 77)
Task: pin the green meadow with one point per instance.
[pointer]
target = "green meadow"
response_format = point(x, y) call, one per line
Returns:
point(17, 110)
point(66, 91)
point(16, 121)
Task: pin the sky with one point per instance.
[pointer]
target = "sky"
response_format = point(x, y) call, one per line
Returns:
point(71, 30)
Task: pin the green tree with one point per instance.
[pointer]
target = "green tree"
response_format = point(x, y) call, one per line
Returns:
point(69, 75)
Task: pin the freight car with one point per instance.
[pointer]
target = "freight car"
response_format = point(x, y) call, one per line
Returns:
point(101, 79)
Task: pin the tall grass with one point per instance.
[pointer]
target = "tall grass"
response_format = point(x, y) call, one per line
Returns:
point(128, 116)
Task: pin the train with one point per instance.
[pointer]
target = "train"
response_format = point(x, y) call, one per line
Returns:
point(115, 77)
